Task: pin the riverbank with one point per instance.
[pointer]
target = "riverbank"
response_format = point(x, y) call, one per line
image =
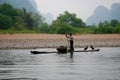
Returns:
point(32, 41)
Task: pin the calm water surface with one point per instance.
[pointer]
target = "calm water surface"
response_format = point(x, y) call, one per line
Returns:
point(22, 65)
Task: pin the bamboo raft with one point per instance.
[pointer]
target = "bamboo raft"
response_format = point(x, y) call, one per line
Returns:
point(63, 50)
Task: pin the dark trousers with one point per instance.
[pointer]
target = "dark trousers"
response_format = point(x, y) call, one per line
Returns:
point(71, 46)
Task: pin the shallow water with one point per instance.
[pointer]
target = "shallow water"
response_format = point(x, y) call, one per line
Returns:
point(22, 65)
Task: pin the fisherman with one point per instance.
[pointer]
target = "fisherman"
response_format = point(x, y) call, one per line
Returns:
point(70, 37)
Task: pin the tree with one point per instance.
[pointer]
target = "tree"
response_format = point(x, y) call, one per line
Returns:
point(62, 28)
point(8, 10)
point(19, 19)
point(38, 20)
point(44, 28)
point(70, 19)
point(114, 22)
point(66, 29)
point(32, 21)
point(19, 24)
point(5, 22)
point(27, 18)
point(66, 23)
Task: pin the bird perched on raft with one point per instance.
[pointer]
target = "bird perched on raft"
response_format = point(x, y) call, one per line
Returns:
point(92, 47)
point(86, 48)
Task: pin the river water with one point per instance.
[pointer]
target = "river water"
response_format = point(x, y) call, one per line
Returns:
point(22, 65)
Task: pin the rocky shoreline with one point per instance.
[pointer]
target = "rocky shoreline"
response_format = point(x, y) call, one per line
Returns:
point(33, 41)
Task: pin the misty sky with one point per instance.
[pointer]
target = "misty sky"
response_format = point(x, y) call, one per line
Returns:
point(82, 8)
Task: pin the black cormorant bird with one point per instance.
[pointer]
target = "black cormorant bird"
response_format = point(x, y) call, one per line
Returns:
point(92, 47)
point(86, 48)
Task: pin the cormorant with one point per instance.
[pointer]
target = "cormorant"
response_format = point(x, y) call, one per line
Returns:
point(92, 47)
point(86, 48)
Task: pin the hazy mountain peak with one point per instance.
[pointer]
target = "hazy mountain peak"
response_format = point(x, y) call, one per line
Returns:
point(102, 14)
point(115, 5)
point(101, 9)
point(33, 3)
point(30, 5)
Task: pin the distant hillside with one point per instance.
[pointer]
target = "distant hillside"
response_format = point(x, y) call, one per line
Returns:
point(102, 14)
point(115, 11)
point(30, 5)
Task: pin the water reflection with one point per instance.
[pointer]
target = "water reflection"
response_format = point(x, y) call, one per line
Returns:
point(71, 54)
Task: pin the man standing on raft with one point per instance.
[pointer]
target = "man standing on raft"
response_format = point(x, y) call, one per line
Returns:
point(70, 37)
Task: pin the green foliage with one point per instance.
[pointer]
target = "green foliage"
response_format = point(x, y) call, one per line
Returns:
point(13, 31)
point(27, 18)
point(66, 23)
point(114, 22)
point(44, 28)
point(19, 19)
point(108, 27)
point(87, 30)
point(70, 19)
point(5, 22)
point(62, 29)
point(14, 20)
point(66, 29)
point(8, 10)
point(117, 29)
point(38, 20)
